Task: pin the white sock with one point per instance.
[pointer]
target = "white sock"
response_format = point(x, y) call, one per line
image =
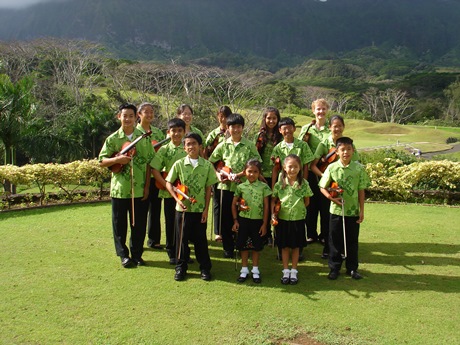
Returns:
point(294, 273)
point(286, 273)
point(244, 272)
point(255, 272)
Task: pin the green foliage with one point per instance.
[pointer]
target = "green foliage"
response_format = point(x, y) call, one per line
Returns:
point(451, 140)
point(381, 155)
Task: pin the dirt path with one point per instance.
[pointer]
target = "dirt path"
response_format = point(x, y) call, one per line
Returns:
point(429, 155)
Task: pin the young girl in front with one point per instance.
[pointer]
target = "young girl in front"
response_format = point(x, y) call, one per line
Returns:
point(293, 193)
point(250, 209)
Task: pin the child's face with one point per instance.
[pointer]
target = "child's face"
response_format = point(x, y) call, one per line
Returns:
point(186, 116)
point(287, 131)
point(252, 173)
point(236, 131)
point(176, 134)
point(345, 152)
point(337, 128)
point(127, 118)
point(222, 120)
point(320, 112)
point(147, 114)
point(192, 148)
point(271, 120)
point(292, 168)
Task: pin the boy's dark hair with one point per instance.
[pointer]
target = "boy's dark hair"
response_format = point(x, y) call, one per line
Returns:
point(336, 117)
point(254, 162)
point(225, 110)
point(127, 106)
point(176, 122)
point(235, 119)
point(343, 141)
point(193, 135)
point(286, 121)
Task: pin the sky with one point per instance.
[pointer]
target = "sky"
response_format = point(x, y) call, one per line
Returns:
point(20, 3)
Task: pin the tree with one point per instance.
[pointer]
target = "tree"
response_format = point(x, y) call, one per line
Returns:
point(16, 107)
point(453, 108)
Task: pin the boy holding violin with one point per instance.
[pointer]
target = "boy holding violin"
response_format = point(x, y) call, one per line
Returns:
point(346, 208)
point(161, 164)
point(189, 182)
point(129, 188)
point(232, 154)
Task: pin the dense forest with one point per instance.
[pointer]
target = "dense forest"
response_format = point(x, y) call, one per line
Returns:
point(219, 31)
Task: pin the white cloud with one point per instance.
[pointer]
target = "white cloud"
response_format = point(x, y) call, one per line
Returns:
point(20, 3)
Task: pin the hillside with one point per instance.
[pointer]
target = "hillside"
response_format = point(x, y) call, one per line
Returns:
point(271, 29)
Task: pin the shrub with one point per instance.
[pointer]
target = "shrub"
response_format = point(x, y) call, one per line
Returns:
point(451, 140)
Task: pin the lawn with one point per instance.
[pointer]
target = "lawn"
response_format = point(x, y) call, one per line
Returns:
point(61, 283)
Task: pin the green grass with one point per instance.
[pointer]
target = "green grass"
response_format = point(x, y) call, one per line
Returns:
point(368, 134)
point(61, 283)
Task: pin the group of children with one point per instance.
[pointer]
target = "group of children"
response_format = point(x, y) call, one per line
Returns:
point(275, 182)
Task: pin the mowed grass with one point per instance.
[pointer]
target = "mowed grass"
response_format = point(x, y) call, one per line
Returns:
point(368, 134)
point(61, 283)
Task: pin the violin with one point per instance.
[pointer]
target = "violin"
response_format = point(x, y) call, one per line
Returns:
point(182, 192)
point(331, 157)
point(157, 144)
point(224, 170)
point(158, 184)
point(276, 210)
point(261, 140)
point(307, 135)
point(127, 149)
point(276, 163)
point(211, 147)
point(334, 190)
point(242, 206)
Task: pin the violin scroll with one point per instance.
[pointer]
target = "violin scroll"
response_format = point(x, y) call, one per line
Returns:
point(334, 190)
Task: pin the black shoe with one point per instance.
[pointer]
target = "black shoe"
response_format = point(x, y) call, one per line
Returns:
point(333, 275)
point(311, 240)
point(180, 275)
point(257, 280)
point(355, 275)
point(285, 280)
point(172, 261)
point(293, 281)
point(241, 279)
point(139, 262)
point(324, 256)
point(301, 258)
point(205, 275)
point(126, 262)
point(229, 255)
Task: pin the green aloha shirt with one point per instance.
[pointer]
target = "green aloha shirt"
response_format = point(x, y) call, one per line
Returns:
point(197, 131)
point(299, 148)
point(253, 194)
point(157, 134)
point(267, 163)
point(235, 157)
point(317, 135)
point(324, 147)
point(212, 135)
point(120, 183)
point(292, 199)
point(164, 159)
point(351, 179)
point(196, 179)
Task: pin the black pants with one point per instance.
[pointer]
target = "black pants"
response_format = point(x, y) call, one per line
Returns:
point(195, 231)
point(153, 219)
point(216, 208)
point(318, 205)
point(169, 206)
point(121, 208)
point(228, 240)
point(336, 248)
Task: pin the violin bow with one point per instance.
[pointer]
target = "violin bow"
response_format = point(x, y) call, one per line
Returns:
point(131, 171)
point(344, 232)
point(181, 233)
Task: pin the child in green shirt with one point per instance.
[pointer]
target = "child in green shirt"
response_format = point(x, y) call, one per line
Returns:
point(347, 209)
point(161, 164)
point(128, 188)
point(234, 152)
point(146, 114)
point(293, 192)
point(252, 198)
point(198, 175)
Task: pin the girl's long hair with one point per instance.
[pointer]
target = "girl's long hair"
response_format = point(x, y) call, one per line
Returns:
point(275, 137)
point(299, 175)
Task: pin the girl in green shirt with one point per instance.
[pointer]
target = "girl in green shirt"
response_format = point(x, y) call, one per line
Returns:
point(293, 193)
